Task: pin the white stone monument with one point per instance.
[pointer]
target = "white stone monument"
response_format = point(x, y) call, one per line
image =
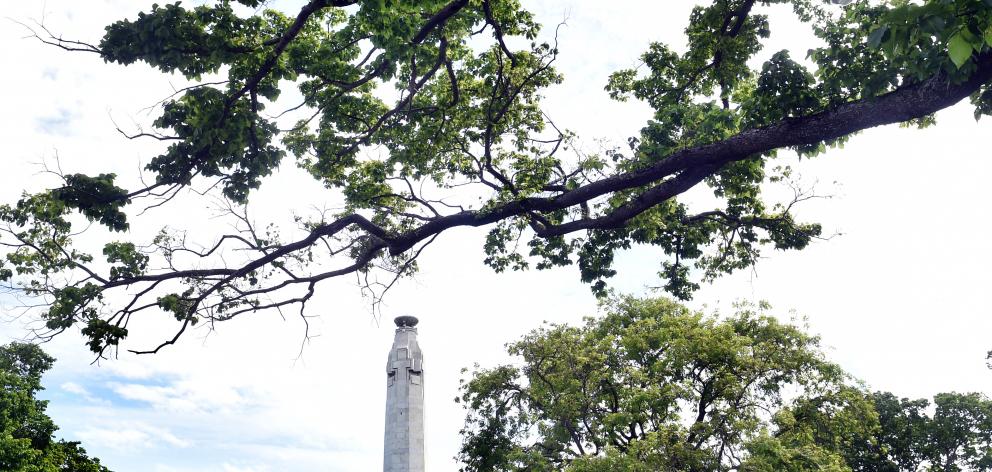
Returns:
point(403, 450)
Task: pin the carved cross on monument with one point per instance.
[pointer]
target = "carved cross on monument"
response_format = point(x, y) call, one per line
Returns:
point(403, 449)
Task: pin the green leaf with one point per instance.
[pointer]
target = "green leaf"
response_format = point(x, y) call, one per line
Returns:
point(972, 38)
point(959, 49)
point(988, 33)
point(875, 38)
point(934, 24)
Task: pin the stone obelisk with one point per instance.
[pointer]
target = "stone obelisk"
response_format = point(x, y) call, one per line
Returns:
point(403, 449)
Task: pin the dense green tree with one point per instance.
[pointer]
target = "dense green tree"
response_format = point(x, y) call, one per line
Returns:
point(956, 436)
point(448, 92)
point(652, 386)
point(27, 442)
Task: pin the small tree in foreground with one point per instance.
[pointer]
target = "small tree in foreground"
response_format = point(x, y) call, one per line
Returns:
point(652, 386)
point(27, 442)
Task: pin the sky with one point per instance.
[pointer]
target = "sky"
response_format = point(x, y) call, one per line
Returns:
point(899, 294)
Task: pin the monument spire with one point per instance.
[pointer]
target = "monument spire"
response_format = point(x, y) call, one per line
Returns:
point(403, 449)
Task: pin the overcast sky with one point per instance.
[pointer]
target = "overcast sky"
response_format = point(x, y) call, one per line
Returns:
point(900, 296)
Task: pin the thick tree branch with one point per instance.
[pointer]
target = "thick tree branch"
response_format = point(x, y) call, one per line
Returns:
point(305, 13)
point(438, 20)
point(696, 163)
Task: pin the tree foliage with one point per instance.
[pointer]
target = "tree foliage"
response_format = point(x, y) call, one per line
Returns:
point(449, 96)
point(652, 386)
point(27, 442)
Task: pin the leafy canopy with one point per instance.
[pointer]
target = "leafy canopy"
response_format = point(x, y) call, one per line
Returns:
point(425, 115)
point(653, 386)
point(27, 442)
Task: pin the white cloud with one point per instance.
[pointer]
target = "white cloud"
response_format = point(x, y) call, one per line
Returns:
point(183, 396)
point(238, 468)
point(163, 398)
point(226, 467)
point(73, 387)
point(79, 391)
point(131, 437)
point(130, 370)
